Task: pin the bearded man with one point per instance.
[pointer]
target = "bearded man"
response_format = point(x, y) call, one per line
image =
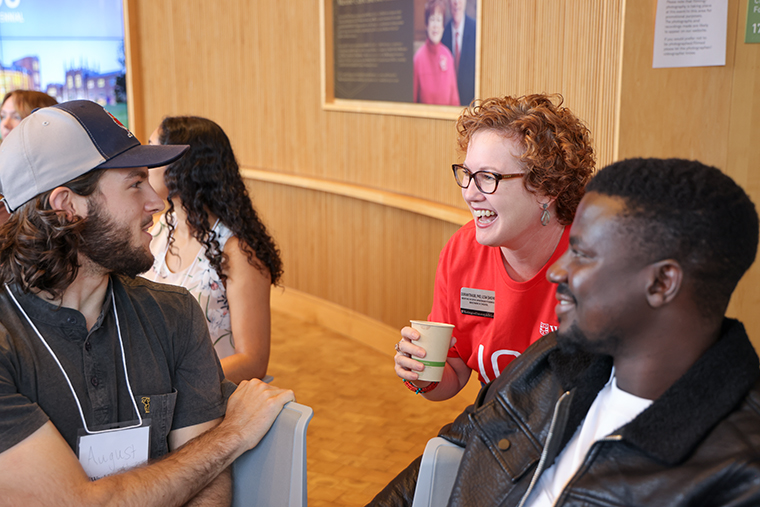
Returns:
point(102, 372)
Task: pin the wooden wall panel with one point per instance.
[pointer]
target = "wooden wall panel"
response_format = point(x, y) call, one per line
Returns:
point(376, 260)
point(253, 66)
point(706, 113)
point(672, 112)
point(570, 47)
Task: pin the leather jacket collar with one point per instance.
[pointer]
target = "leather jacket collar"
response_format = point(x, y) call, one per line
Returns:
point(677, 421)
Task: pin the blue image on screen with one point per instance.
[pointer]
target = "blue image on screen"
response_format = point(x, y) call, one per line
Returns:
point(69, 50)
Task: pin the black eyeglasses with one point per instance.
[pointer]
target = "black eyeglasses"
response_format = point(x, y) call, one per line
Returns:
point(486, 181)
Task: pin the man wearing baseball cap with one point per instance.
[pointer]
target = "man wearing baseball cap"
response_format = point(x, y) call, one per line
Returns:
point(115, 368)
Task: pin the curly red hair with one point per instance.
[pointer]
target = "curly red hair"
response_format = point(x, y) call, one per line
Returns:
point(558, 157)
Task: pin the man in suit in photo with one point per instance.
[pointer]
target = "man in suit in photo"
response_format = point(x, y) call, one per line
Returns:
point(459, 37)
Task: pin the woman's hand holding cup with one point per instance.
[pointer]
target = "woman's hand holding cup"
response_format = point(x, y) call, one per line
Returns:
point(412, 362)
point(406, 367)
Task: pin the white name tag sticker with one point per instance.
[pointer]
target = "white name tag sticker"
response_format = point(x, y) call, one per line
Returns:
point(110, 452)
point(477, 302)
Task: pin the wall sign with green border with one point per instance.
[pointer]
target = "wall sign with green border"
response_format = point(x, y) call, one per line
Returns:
point(753, 22)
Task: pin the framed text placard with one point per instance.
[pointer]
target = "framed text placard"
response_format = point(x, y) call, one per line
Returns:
point(401, 57)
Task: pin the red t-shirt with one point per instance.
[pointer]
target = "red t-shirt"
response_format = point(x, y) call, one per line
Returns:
point(495, 318)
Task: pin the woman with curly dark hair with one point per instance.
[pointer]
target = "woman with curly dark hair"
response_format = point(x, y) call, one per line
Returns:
point(211, 241)
point(527, 162)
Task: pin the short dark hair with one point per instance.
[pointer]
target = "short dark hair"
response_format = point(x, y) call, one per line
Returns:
point(692, 213)
point(39, 246)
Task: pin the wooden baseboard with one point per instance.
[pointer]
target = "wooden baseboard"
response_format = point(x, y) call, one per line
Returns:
point(336, 318)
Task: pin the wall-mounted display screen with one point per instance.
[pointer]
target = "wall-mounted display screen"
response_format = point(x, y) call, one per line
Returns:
point(69, 50)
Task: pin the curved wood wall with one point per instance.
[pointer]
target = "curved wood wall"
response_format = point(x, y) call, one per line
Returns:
point(335, 187)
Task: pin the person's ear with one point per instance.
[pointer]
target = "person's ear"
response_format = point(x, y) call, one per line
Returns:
point(65, 199)
point(665, 279)
point(546, 199)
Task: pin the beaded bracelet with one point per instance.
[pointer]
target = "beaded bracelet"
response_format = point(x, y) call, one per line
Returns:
point(420, 390)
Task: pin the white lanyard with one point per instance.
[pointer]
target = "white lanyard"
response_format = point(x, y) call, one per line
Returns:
point(73, 392)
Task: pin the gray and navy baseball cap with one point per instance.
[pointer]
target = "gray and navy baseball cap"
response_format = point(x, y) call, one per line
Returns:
point(57, 144)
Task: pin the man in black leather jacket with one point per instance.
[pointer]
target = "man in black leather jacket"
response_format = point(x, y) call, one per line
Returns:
point(656, 249)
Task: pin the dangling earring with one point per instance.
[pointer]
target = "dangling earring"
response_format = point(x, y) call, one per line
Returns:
point(545, 216)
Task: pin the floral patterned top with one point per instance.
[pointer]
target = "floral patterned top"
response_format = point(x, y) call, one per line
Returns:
point(201, 280)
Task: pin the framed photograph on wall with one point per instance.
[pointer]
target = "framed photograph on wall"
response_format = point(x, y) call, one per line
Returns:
point(401, 57)
point(69, 50)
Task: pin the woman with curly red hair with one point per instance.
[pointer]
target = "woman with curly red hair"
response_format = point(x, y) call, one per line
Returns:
point(527, 162)
point(211, 241)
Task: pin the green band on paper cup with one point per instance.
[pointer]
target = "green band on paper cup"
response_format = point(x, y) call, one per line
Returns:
point(434, 364)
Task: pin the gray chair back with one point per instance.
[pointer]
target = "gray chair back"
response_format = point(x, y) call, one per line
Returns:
point(274, 472)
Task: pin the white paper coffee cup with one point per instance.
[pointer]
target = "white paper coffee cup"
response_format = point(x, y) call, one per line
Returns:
point(435, 338)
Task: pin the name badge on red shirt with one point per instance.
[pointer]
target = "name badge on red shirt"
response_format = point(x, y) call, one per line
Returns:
point(479, 302)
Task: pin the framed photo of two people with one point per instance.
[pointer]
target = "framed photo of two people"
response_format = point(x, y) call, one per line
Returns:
point(407, 57)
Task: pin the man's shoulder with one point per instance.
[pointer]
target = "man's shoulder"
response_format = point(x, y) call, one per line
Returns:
point(751, 407)
point(748, 419)
point(139, 285)
point(447, 29)
point(735, 440)
point(148, 294)
point(533, 361)
point(566, 367)
point(470, 27)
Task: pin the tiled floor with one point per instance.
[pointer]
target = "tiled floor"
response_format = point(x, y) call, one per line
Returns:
point(367, 426)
